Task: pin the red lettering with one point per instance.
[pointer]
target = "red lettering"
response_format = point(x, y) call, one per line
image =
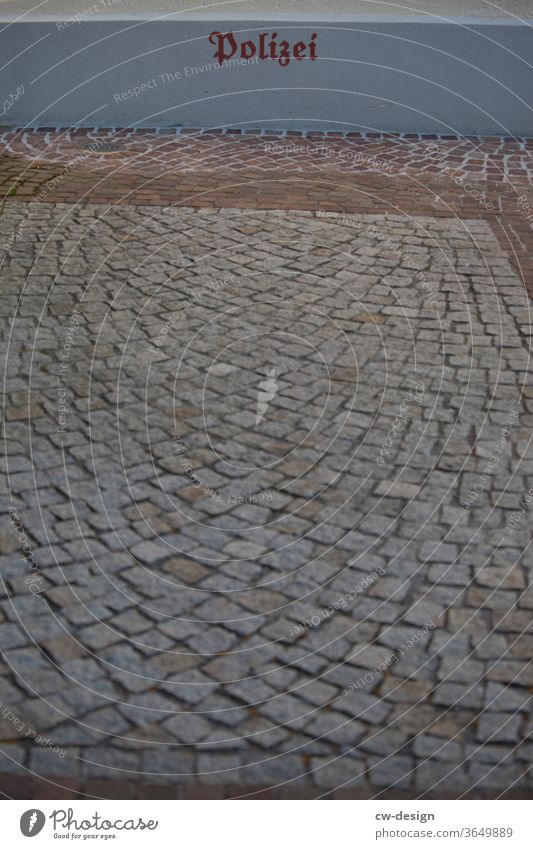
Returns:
point(298, 49)
point(247, 49)
point(219, 54)
point(284, 55)
point(227, 46)
point(262, 51)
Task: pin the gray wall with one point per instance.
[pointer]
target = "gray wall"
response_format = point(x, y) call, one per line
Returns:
point(246, 9)
point(410, 75)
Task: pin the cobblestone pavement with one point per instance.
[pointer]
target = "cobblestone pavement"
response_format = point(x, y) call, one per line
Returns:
point(269, 477)
point(192, 150)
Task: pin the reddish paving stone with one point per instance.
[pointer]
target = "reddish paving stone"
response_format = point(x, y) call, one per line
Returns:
point(221, 171)
point(191, 149)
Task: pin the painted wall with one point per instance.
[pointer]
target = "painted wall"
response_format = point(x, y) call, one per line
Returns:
point(399, 75)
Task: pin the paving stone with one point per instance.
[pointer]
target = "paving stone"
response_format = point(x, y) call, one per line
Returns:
point(363, 706)
point(107, 720)
point(150, 552)
point(287, 710)
point(252, 691)
point(212, 641)
point(342, 772)
point(244, 550)
point(106, 761)
point(274, 770)
point(98, 636)
point(263, 733)
point(220, 768)
point(439, 778)
point(131, 622)
point(499, 728)
point(507, 698)
point(317, 693)
point(427, 746)
point(394, 771)
point(83, 700)
point(384, 742)
point(459, 695)
point(44, 761)
point(191, 687)
point(397, 489)
point(187, 728)
point(12, 756)
point(11, 636)
point(335, 728)
point(177, 763)
point(503, 776)
point(224, 710)
point(221, 740)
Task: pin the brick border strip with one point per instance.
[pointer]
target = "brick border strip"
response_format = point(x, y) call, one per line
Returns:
point(19, 786)
point(367, 193)
point(524, 141)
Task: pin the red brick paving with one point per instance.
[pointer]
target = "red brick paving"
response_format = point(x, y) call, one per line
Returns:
point(496, 159)
point(224, 170)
